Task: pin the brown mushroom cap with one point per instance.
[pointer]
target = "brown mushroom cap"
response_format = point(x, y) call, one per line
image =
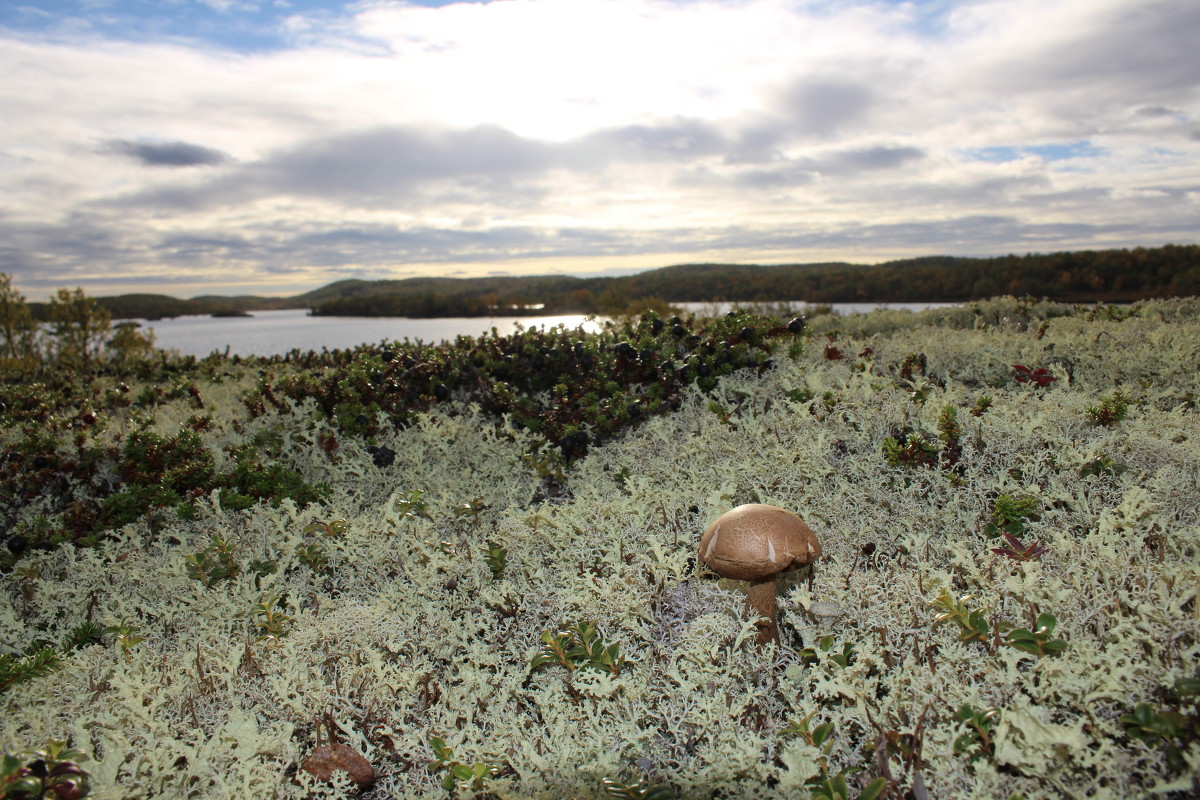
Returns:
point(756, 541)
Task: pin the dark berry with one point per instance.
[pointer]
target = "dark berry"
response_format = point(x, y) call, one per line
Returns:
point(16, 545)
point(387, 355)
point(796, 325)
point(441, 392)
point(39, 461)
point(656, 326)
point(567, 445)
point(678, 330)
point(43, 545)
point(747, 332)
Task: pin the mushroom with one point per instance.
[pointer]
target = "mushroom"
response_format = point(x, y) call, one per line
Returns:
point(756, 542)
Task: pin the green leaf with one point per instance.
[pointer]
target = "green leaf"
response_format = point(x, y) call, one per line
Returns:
point(873, 790)
point(586, 632)
point(28, 786)
point(821, 733)
point(440, 750)
point(542, 658)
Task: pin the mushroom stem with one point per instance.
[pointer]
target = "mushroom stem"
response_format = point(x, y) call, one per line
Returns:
point(760, 601)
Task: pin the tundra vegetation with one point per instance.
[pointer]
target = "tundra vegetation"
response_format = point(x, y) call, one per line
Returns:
point(473, 562)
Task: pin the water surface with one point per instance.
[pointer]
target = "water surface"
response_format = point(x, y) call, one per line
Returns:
point(268, 333)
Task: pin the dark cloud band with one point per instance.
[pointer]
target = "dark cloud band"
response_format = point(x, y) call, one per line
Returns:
point(167, 154)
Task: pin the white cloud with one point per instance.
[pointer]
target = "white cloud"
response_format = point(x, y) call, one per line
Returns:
point(527, 129)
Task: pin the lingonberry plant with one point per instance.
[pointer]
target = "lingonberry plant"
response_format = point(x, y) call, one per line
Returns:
point(581, 646)
point(214, 563)
point(459, 775)
point(977, 731)
point(1039, 641)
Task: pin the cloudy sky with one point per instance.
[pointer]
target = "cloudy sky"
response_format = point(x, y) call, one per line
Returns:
point(272, 146)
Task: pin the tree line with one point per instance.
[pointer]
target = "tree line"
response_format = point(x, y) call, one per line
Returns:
point(1083, 276)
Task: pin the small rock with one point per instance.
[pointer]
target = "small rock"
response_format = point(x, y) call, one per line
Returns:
point(322, 762)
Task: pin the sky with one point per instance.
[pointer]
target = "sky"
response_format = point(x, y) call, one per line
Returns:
point(190, 147)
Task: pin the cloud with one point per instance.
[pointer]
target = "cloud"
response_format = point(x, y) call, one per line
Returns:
point(678, 140)
point(398, 165)
point(821, 107)
point(1157, 111)
point(1106, 48)
point(167, 154)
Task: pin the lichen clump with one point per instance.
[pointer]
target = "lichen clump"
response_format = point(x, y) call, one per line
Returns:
point(402, 606)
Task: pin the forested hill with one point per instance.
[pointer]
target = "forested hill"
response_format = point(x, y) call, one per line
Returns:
point(1104, 275)
point(157, 306)
point(1108, 275)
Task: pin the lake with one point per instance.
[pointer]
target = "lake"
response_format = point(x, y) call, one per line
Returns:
point(275, 332)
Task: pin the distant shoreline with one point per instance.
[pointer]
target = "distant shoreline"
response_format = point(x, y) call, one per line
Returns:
point(1104, 276)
